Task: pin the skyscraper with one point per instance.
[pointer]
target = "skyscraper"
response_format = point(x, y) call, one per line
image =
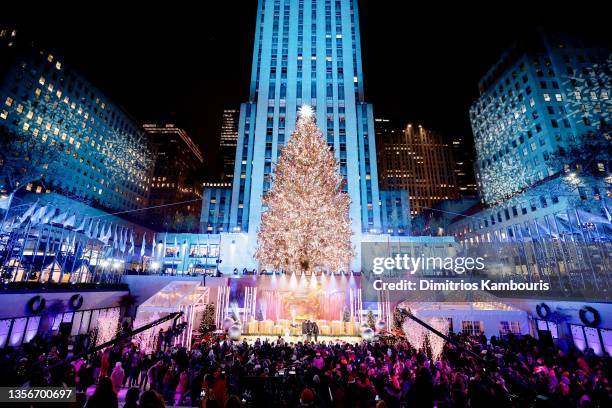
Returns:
point(176, 177)
point(96, 152)
point(542, 93)
point(417, 160)
point(228, 141)
point(463, 167)
point(306, 52)
point(541, 97)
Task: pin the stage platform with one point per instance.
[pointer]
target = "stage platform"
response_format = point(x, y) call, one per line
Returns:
point(251, 338)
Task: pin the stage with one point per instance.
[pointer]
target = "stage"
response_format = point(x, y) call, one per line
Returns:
point(252, 338)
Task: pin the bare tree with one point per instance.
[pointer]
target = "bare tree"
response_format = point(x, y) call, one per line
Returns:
point(24, 159)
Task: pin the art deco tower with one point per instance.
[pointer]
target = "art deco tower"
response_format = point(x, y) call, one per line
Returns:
point(306, 52)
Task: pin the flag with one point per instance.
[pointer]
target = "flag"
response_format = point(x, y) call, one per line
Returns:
point(115, 240)
point(60, 218)
point(123, 239)
point(48, 216)
point(69, 223)
point(164, 247)
point(94, 234)
point(38, 215)
point(104, 235)
point(131, 250)
point(142, 246)
point(108, 234)
point(99, 234)
point(81, 227)
point(28, 212)
point(153, 246)
point(89, 232)
point(176, 247)
point(607, 213)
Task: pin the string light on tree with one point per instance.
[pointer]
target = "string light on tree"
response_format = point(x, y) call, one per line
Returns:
point(306, 226)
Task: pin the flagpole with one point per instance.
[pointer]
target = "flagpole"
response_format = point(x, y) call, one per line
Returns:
point(25, 242)
point(42, 263)
point(35, 252)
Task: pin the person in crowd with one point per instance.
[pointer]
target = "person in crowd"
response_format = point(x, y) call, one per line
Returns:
point(117, 376)
point(131, 398)
point(514, 371)
point(104, 396)
point(151, 399)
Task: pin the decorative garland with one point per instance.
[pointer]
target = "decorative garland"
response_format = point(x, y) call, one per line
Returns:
point(583, 316)
point(543, 310)
point(36, 304)
point(76, 301)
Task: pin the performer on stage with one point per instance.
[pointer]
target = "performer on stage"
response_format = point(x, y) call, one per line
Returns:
point(315, 330)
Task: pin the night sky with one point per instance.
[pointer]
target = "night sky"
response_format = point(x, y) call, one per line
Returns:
point(421, 63)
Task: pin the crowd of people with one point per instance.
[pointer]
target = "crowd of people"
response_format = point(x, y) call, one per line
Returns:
point(217, 372)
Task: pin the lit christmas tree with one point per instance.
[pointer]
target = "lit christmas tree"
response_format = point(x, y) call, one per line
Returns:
point(207, 324)
point(306, 226)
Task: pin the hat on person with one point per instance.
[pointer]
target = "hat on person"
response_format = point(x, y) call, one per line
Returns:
point(307, 396)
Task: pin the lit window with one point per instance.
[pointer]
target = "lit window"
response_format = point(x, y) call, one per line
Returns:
point(558, 97)
point(4, 114)
point(547, 97)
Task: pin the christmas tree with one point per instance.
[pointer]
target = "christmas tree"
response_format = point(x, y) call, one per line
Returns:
point(208, 319)
point(306, 226)
point(370, 319)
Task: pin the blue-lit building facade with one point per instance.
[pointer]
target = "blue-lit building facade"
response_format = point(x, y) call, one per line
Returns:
point(104, 158)
point(216, 201)
point(306, 52)
point(534, 101)
point(395, 212)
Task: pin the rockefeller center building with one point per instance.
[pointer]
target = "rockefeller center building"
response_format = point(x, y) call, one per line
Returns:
point(537, 102)
point(416, 160)
point(227, 142)
point(305, 53)
point(543, 94)
point(95, 151)
point(176, 178)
